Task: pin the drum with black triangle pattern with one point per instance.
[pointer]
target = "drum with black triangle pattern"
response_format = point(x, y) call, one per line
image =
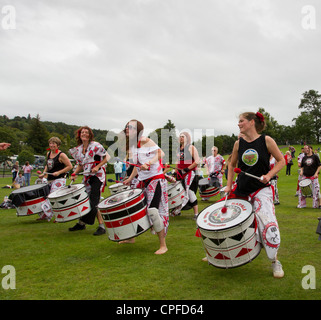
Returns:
point(229, 238)
point(125, 214)
point(70, 202)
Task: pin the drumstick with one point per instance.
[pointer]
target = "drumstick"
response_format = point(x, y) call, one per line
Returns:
point(238, 170)
point(224, 209)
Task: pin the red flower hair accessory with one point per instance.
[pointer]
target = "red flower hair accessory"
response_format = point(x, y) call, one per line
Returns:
point(260, 116)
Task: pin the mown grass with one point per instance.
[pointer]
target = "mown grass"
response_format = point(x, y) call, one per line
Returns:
point(52, 263)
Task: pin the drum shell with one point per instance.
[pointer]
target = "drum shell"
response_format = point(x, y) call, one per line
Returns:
point(70, 203)
point(125, 219)
point(175, 195)
point(232, 246)
point(28, 200)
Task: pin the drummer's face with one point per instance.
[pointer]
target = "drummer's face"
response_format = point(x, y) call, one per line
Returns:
point(84, 135)
point(131, 129)
point(53, 146)
point(244, 124)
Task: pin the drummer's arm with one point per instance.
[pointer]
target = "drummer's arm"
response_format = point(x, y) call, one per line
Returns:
point(131, 177)
point(42, 175)
point(194, 153)
point(79, 168)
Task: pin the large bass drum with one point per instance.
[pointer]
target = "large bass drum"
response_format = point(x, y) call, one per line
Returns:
point(28, 200)
point(229, 238)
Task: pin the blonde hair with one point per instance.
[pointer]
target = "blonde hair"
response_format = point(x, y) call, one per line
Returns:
point(55, 140)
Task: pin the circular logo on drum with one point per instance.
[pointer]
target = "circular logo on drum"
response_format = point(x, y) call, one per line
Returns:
point(250, 157)
point(217, 217)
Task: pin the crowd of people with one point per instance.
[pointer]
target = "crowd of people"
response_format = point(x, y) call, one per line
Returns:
point(253, 154)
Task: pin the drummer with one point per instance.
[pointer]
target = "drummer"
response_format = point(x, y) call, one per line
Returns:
point(91, 158)
point(147, 155)
point(252, 152)
point(56, 168)
point(310, 168)
point(187, 162)
point(216, 164)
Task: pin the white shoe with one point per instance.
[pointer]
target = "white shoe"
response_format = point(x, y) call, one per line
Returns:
point(277, 269)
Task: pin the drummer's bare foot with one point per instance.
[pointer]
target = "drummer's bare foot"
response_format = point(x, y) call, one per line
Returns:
point(132, 240)
point(161, 250)
point(205, 259)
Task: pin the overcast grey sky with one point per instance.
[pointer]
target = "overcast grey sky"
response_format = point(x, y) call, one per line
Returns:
point(198, 63)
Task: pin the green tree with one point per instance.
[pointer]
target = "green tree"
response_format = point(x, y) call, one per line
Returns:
point(38, 136)
point(311, 103)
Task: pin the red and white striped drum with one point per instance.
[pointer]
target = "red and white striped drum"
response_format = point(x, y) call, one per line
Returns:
point(117, 187)
point(175, 195)
point(28, 200)
point(207, 191)
point(125, 214)
point(229, 238)
point(70, 202)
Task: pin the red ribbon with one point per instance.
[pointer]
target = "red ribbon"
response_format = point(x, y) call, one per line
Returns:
point(260, 116)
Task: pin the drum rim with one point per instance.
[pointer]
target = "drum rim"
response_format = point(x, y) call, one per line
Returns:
point(227, 227)
point(54, 196)
point(30, 188)
point(308, 180)
point(117, 194)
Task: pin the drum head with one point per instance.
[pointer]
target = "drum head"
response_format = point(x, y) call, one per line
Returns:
point(212, 218)
point(305, 182)
point(65, 190)
point(119, 198)
point(204, 182)
point(29, 188)
point(116, 185)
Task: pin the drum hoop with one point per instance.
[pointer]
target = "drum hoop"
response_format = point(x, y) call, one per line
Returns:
point(301, 183)
point(54, 195)
point(119, 203)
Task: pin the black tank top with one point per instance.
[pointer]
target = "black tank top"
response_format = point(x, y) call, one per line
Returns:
point(54, 165)
point(254, 158)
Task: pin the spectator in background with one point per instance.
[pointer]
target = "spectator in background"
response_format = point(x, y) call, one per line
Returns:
point(15, 170)
point(27, 168)
point(288, 162)
point(20, 181)
point(118, 167)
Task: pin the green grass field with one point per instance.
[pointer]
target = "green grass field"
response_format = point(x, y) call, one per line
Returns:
point(52, 263)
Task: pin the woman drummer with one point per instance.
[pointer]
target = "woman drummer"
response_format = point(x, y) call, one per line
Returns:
point(252, 152)
point(56, 168)
point(187, 162)
point(147, 155)
point(91, 157)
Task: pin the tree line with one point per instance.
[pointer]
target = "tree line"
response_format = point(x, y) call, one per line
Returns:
point(29, 135)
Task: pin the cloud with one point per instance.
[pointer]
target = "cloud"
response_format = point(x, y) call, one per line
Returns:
point(197, 63)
